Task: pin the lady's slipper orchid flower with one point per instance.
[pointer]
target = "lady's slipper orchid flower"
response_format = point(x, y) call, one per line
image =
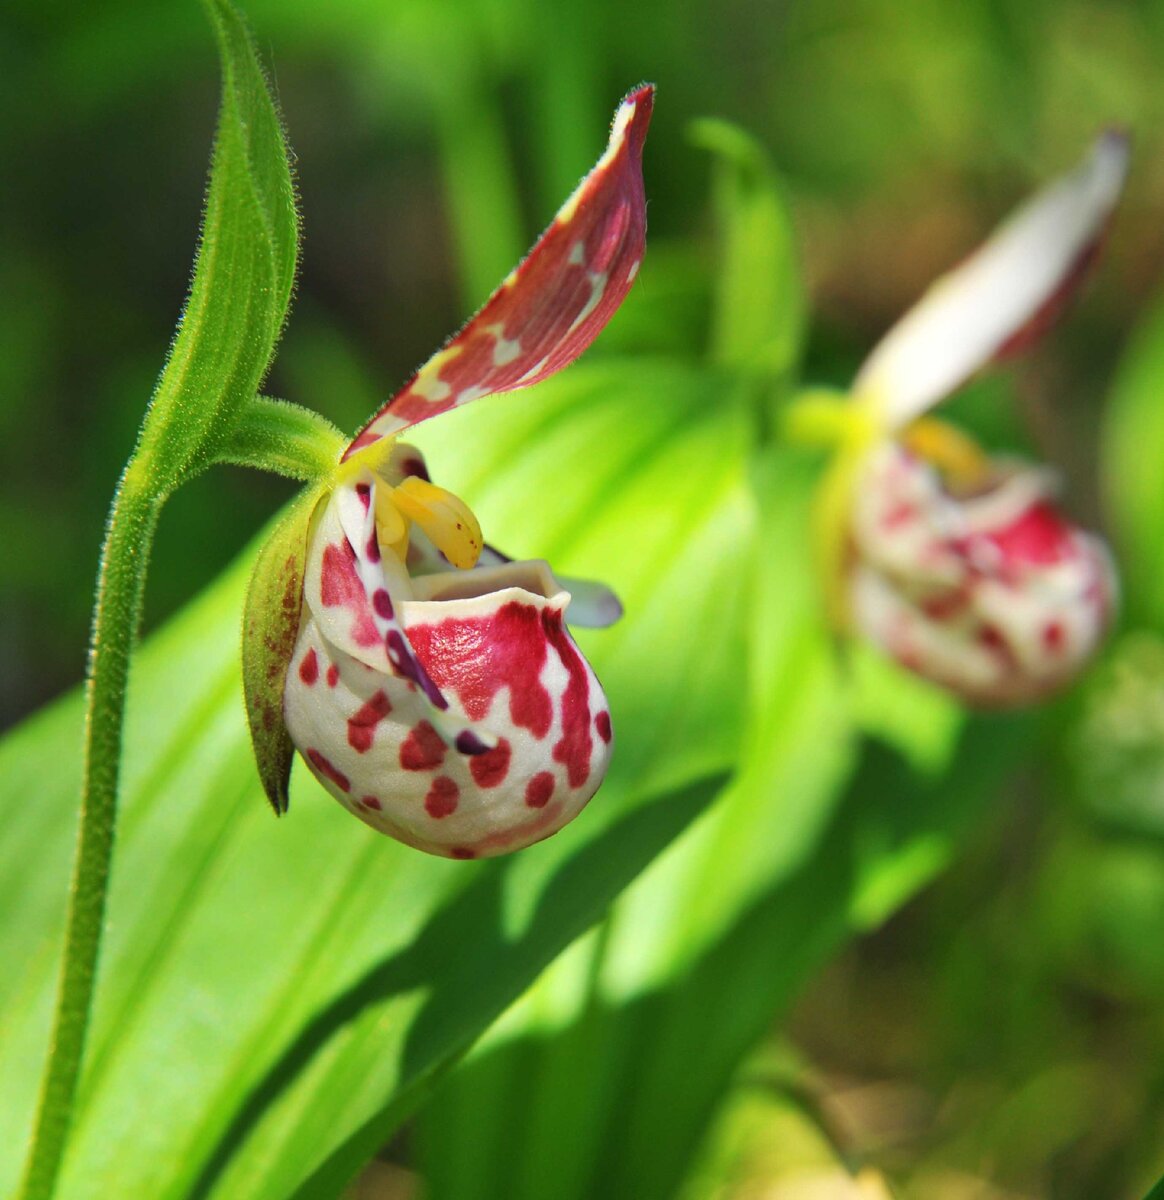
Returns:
point(428, 681)
point(959, 565)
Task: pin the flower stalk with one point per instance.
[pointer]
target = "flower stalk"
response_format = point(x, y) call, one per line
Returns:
point(121, 578)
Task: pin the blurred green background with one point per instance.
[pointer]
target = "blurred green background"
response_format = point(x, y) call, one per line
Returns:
point(1003, 1036)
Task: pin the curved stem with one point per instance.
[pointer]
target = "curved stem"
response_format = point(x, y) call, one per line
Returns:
point(116, 619)
point(275, 435)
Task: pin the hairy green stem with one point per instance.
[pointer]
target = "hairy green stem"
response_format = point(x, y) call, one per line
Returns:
point(116, 619)
point(275, 435)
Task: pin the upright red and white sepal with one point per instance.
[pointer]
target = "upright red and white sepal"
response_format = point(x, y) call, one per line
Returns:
point(959, 565)
point(428, 681)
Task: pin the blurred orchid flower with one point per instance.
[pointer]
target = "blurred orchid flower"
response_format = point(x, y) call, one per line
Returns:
point(430, 682)
point(958, 564)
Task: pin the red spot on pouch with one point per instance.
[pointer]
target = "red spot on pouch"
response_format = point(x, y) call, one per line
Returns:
point(490, 769)
point(945, 606)
point(309, 667)
point(371, 802)
point(899, 515)
point(539, 790)
point(442, 797)
point(1039, 536)
point(462, 852)
point(991, 638)
point(324, 767)
point(1054, 636)
point(575, 747)
point(340, 587)
point(362, 726)
point(423, 749)
point(602, 724)
point(476, 657)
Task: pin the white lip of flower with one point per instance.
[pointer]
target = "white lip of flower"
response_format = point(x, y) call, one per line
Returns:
point(446, 707)
point(958, 565)
point(430, 683)
point(996, 597)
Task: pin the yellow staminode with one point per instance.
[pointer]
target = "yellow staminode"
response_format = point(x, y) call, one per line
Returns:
point(445, 518)
point(391, 526)
point(958, 457)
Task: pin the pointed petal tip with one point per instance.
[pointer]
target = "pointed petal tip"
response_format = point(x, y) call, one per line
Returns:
point(1115, 139)
point(1110, 157)
point(551, 307)
point(638, 103)
point(1105, 167)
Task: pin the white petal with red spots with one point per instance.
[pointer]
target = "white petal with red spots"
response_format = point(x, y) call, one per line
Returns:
point(996, 595)
point(511, 672)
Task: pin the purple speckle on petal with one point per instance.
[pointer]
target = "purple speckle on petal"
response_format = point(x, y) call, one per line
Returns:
point(408, 666)
point(469, 743)
point(382, 603)
point(434, 694)
point(398, 654)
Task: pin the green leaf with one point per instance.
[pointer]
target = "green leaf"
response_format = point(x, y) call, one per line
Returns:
point(271, 618)
point(759, 318)
point(276, 994)
point(1132, 450)
point(242, 276)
